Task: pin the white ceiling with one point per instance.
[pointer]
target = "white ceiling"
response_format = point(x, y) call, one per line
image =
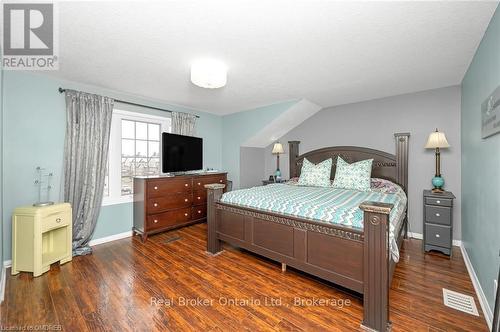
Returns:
point(330, 53)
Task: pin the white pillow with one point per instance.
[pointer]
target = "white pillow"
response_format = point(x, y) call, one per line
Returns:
point(316, 175)
point(355, 176)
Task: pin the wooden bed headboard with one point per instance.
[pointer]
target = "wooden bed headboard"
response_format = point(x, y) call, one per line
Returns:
point(393, 167)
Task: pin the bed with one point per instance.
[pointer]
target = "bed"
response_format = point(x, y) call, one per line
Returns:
point(353, 251)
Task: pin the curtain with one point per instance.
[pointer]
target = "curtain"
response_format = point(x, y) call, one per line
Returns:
point(88, 123)
point(183, 123)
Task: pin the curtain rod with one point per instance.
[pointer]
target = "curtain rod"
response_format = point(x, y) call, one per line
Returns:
point(61, 90)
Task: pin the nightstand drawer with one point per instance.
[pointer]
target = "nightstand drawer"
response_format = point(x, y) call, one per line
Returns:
point(438, 201)
point(55, 220)
point(438, 215)
point(438, 235)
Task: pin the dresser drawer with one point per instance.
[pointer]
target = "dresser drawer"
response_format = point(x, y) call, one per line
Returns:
point(55, 220)
point(200, 182)
point(159, 188)
point(438, 235)
point(438, 201)
point(200, 197)
point(169, 202)
point(199, 212)
point(168, 219)
point(438, 215)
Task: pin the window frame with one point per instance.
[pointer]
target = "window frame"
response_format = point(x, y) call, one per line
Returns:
point(115, 151)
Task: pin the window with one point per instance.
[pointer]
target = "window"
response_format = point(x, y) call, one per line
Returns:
point(134, 150)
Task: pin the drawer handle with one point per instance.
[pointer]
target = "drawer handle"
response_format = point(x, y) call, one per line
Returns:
point(438, 215)
point(185, 184)
point(199, 183)
point(439, 202)
point(185, 214)
point(58, 220)
point(155, 204)
point(199, 211)
point(198, 197)
point(155, 221)
point(185, 199)
point(437, 235)
point(220, 181)
point(156, 188)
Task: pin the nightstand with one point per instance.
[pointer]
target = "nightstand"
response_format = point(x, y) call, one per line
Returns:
point(438, 221)
point(41, 236)
point(266, 182)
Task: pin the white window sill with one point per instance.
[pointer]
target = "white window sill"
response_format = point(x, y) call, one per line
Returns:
point(106, 201)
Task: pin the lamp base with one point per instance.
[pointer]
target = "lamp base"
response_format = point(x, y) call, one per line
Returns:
point(277, 175)
point(438, 183)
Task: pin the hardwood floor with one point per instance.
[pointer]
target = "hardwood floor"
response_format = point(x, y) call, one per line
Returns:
point(119, 288)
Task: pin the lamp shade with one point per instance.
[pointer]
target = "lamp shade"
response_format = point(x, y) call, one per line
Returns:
point(209, 74)
point(278, 148)
point(437, 139)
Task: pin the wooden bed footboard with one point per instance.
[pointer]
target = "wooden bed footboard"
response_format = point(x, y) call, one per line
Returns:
point(357, 260)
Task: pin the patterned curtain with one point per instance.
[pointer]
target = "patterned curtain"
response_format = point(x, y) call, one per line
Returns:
point(88, 123)
point(183, 124)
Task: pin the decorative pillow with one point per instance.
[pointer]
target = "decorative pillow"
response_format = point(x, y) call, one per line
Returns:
point(295, 182)
point(315, 175)
point(384, 186)
point(355, 176)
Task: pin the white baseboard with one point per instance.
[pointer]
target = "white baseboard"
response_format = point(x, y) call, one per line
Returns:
point(110, 238)
point(488, 314)
point(2, 283)
point(420, 236)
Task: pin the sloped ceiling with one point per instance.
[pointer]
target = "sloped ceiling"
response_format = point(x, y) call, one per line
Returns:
point(282, 124)
point(329, 52)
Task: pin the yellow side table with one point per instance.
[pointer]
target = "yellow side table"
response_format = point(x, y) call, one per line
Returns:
point(41, 236)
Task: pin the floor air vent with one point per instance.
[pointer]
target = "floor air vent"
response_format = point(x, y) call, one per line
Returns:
point(459, 301)
point(172, 239)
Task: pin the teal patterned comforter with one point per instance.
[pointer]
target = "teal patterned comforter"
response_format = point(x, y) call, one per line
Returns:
point(323, 204)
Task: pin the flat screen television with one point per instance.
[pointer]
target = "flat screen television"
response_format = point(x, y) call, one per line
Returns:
point(181, 153)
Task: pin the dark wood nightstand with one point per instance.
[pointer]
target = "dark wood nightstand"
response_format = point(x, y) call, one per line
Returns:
point(438, 221)
point(266, 182)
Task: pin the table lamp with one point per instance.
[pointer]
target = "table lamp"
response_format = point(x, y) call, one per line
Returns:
point(277, 150)
point(437, 140)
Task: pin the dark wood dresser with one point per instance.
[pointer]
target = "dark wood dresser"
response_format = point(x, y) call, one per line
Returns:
point(164, 203)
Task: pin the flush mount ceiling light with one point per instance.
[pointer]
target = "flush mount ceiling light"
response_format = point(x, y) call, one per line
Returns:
point(209, 74)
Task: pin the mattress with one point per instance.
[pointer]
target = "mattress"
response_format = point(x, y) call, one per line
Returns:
point(321, 204)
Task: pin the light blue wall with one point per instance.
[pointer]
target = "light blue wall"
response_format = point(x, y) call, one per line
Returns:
point(238, 127)
point(34, 129)
point(481, 163)
point(114, 219)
